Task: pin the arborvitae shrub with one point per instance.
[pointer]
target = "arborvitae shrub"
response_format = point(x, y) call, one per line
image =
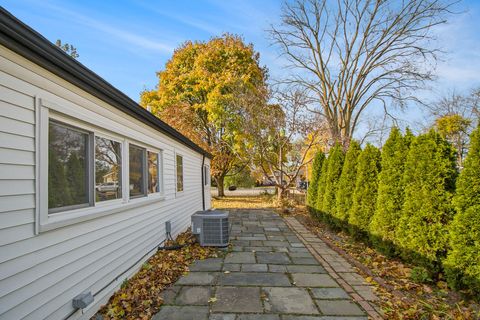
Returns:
point(346, 184)
point(366, 186)
point(429, 180)
point(313, 186)
point(321, 185)
point(462, 265)
point(390, 191)
point(335, 165)
point(468, 184)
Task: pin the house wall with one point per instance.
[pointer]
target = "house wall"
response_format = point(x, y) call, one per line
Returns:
point(41, 271)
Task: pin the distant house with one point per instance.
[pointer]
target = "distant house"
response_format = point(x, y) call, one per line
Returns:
point(88, 179)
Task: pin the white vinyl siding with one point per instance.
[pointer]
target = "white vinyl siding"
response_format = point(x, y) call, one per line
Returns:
point(41, 271)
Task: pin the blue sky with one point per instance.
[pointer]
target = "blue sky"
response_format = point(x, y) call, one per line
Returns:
point(126, 42)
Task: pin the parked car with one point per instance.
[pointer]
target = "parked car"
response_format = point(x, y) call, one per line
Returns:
point(302, 185)
point(108, 187)
point(232, 188)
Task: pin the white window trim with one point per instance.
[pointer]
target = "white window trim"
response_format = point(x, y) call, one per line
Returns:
point(159, 152)
point(160, 191)
point(122, 176)
point(46, 110)
point(179, 193)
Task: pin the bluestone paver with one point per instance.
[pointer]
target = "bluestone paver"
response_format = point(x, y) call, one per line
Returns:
point(313, 280)
point(253, 279)
point(270, 273)
point(193, 296)
point(197, 278)
point(289, 300)
point(207, 265)
point(339, 308)
point(329, 293)
point(237, 299)
point(182, 313)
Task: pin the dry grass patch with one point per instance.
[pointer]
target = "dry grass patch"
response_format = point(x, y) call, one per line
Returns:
point(244, 202)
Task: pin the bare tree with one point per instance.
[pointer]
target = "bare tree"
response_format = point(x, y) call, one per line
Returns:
point(465, 105)
point(454, 117)
point(352, 53)
point(282, 138)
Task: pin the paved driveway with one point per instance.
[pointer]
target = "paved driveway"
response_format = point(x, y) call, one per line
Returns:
point(250, 192)
point(270, 274)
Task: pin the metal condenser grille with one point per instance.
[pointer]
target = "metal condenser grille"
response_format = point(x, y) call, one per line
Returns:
point(212, 231)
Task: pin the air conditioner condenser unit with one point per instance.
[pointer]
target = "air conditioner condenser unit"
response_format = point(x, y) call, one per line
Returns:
point(211, 228)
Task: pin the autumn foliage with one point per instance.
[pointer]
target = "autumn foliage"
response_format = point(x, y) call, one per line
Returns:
point(206, 91)
point(139, 297)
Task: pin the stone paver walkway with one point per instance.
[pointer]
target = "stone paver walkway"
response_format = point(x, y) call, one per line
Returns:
point(276, 271)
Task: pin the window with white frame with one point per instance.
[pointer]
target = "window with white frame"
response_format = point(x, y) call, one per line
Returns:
point(85, 168)
point(206, 175)
point(145, 171)
point(69, 167)
point(137, 170)
point(153, 172)
point(179, 172)
point(108, 169)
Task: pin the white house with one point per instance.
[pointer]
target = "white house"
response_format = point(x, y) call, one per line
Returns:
point(88, 179)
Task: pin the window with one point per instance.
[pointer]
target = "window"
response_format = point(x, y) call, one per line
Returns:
point(206, 175)
point(153, 182)
point(137, 171)
point(108, 169)
point(68, 168)
point(179, 164)
point(86, 170)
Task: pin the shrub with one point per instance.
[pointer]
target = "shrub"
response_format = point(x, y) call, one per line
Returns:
point(346, 184)
point(468, 184)
point(462, 265)
point(321, 185)
point(420, 274)
point(429, 180)
point(366, 186)
point(316, 172)
point(390, 191)
point(242, 179)
point(335, 164)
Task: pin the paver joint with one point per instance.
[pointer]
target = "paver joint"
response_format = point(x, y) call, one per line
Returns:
point(272, 272)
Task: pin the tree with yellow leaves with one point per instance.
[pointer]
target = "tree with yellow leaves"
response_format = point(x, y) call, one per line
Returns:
point(206, 91)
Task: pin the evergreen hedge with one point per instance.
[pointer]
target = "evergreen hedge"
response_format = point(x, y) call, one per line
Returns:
point(313, 185)
point(321, 185)
point(334, 170)
point(366, 187)
point(462, 265)
point(429, 180)
point(390, 191)
point(346, 184)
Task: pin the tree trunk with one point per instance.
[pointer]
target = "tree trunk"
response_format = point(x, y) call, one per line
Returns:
point(220, 185)
point(281, 193)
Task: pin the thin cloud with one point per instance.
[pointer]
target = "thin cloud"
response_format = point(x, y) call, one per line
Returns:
point(119, 33)
point(183, 19)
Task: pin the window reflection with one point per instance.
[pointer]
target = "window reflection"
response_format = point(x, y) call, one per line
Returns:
point(137, 171)
point(108, 169)
point(153, 172)
point(67, 166)
point(179, 164)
